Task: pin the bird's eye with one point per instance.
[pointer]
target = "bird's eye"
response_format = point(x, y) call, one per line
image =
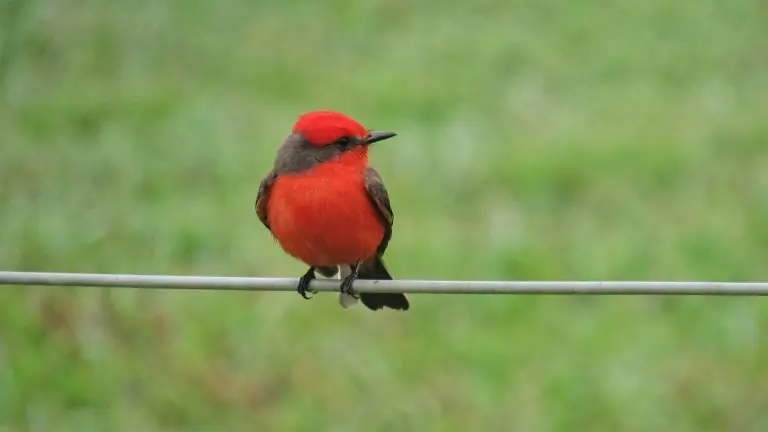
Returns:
point(344, 142)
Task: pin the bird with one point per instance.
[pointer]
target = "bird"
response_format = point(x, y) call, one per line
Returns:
point(327, 207)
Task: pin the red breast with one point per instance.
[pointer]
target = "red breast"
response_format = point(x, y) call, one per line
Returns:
point(323, 216)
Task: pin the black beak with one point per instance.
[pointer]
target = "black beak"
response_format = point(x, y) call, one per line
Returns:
point(378, 136)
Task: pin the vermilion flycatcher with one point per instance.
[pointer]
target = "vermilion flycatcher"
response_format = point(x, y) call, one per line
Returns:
point(326, 207)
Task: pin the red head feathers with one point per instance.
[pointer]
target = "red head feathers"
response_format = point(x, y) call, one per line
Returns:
point(321, 128)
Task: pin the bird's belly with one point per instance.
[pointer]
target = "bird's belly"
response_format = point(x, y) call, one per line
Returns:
point(324, 221)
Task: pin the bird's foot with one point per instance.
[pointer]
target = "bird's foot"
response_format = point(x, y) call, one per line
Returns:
point(304, 281)
point(346, 283)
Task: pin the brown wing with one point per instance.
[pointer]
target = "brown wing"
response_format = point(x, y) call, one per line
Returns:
point(379, 197)
point(263, 196)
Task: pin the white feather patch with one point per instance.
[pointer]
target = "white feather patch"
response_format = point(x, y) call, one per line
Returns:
point(345, 300)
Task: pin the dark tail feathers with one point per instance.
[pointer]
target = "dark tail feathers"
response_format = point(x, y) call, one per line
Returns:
point(375, 269)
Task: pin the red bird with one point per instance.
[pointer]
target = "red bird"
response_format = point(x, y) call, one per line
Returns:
point(327, 207)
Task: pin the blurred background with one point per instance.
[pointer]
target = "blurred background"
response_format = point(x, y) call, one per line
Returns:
point(537, 140)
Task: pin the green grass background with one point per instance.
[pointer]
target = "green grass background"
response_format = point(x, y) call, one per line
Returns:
point(538, 140)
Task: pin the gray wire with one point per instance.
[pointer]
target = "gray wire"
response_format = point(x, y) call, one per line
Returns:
point(404, 286)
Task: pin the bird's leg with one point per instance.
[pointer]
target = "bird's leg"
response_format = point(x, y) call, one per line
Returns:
point(346, 283)
point(304, 281)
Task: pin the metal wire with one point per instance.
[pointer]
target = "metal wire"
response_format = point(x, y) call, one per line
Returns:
point(374, 286)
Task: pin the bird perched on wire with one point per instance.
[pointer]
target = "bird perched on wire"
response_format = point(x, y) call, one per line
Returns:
point(325, 205)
